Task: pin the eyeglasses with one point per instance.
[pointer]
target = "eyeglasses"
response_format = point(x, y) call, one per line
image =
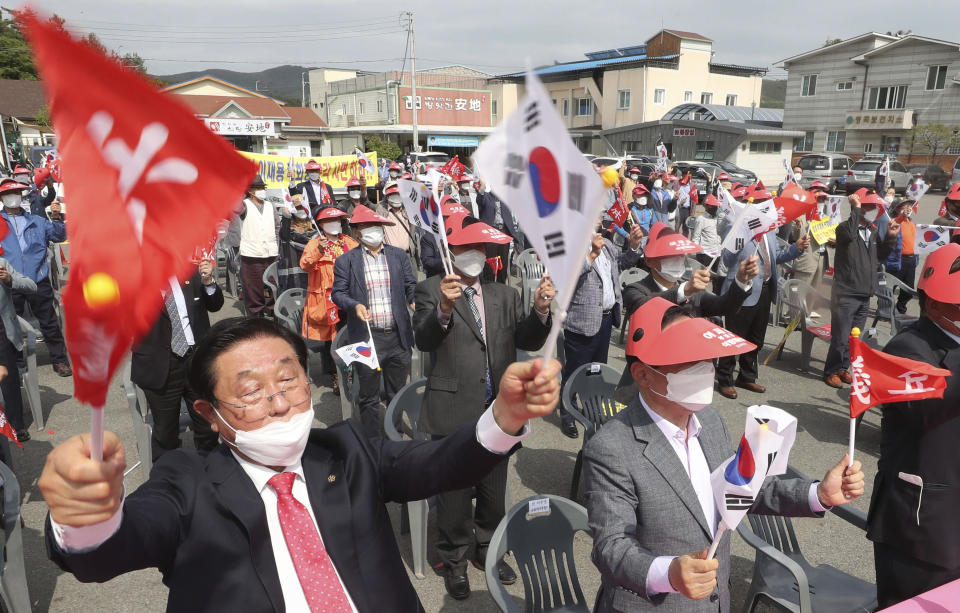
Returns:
point(295, 391)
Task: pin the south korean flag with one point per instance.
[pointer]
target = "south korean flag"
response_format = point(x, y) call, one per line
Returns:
point(929, 238)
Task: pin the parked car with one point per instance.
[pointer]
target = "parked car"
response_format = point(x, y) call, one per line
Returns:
point(430, 159)
point(955, 177)
point(700, 174)
point(863, 173)
point(934, 176)
point(831, 169)
point(736, 173)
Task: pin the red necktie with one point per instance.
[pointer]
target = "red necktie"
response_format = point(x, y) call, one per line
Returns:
point(314, 567)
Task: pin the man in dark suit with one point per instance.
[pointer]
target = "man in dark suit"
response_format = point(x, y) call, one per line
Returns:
point(373, 287)
point(493, 212)
point(913, 510)
point(430, 253)
point(159, 362)
point(750, 321)
point(314, 190)
point(652, 509)
point(472, 331)
point(280, 517)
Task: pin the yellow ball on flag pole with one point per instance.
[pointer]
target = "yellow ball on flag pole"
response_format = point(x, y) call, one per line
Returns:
point(610, 177)
point(855, 332)
point(100, 290)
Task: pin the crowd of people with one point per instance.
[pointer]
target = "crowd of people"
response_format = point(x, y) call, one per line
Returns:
point(313, 527)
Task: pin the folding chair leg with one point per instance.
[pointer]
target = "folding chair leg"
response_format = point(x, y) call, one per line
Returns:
point(418, 511)
point(31, 383)
point(577, 468)
point(14, 578)
point(806, 348)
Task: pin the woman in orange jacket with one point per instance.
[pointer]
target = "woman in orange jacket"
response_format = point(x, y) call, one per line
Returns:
point(320, 318)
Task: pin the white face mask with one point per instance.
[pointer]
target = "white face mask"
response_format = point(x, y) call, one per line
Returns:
point(12, 201)
point(470, 262)
point(260, 194)
point(797, 176)
point(394, 200)
point(691, 388)
point(372, 236)
point(673, 267)
point(24, 179)
point(658, 184)
point(313, 176)
point(634, 177)
point(332, 227)
point(354, 194)
point(279, 443)
point(394, 174)
point(888, 199)
point(642, 201)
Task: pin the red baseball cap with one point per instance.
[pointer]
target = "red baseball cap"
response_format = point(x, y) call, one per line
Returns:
point(466, 230)
point(640, 190)
point(394, 166)
point(689, 340)
point(331, 212)
point(20, 170)
point(723, 177)
point(465, 178)
point(818, 185)
point(353, 182)
point(954, 193)
point(936, 280)
point(874, 199)
point(9, 185)
point(313, 165)
point(758, 195)
point(711, 200)
point(739, 192)
point(391, 188)
point(450, 206)
point(664, 241)
point(362, 214)
point(407, 176)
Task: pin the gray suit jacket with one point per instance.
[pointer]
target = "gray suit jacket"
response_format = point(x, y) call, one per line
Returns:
point(585, 313)
point(642, 505)
point(8, 313)
point(732, 262)
point(456, 387)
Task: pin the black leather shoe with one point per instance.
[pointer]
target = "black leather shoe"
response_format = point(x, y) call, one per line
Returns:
point(504, 572)
point(23, 435)
point(457, 584)
point(569, 429)
point(62, 369)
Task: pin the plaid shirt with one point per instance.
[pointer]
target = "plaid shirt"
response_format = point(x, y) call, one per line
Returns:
point(377, 275)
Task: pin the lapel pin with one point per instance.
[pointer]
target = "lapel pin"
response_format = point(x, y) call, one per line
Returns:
point(331, 478)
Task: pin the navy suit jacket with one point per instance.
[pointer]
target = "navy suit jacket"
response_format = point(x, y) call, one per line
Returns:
point(350, 289)
point(487, 210)
point(732, 262)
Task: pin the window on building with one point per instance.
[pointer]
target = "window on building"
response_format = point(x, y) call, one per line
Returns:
point(954, 150)
point(379, 106)
point(623, 98)
point(688, 96)
point(631, 146)
point(566, 107)
point(659, 95)
point(936, 77)
point(764, 146)
point(361, 108)
point(553, 101)
point(889, 144)
point(706, 98)
point(868, 147)
point(804, 143)
point(704, 150)
point(584, 107)
point(836, 141)
point(808, 85)
point(731, 100)
point(493, 107)
point(843, 86)
point(892, 97)
point(343, 109)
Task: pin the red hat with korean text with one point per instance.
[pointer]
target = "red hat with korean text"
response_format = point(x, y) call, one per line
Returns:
point(391, 187)
point(937, 281)
point(354, 181)
point(874, 199)
point(758, 194)
point(739, 193)
point(362, 214)
point(954, 193)
point(640, 190)
point(450, 207)
point(688, 340)
point(818, 186)
point(711, 200)
point(20, 170)
point(723, 177)
point(312, 165)
point(664, 241)
point(394, 166)
point(8, 186)
point(330, 212)
point(467, 230)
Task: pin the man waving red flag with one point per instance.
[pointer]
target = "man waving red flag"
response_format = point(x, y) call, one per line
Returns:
point(148, 184)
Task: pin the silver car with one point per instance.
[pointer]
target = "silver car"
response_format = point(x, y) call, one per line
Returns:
point(831, 169)
point(863, 173)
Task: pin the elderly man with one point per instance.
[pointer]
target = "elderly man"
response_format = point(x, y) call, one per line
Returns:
point(951, 208)
point(259, 247)
point(314, 190)
point(372, 286)
point(38, 202)
point(647, 473)
point(472, 330)
point(915, 498)
point(25, 248)
point(280, 516)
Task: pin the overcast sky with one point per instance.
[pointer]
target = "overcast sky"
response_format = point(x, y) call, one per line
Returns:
point(495, 36)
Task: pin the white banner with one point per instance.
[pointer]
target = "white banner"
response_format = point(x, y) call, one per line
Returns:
point(240, 127)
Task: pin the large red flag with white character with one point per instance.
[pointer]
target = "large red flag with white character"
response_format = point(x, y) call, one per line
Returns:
point(880, 378)
point(148, 184)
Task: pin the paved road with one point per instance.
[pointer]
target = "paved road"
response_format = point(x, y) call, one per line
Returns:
point(544, 465)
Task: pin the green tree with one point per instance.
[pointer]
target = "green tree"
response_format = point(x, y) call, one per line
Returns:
point(43, 117)
point(832, 41)
point(385, 149)
point(932, 139)
point(15, 59)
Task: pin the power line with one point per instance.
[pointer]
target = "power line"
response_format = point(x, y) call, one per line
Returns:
point(234, 41)
point(182, 27)
point(248, 30)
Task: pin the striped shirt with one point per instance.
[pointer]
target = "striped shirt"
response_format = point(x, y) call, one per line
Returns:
point(377, 275)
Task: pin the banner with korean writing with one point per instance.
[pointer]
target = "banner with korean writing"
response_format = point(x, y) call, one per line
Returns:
point(240, 127)
point(823, 231)
point(446, 107)
point(335, 170)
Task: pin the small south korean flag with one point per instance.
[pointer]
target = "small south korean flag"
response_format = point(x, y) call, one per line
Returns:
point(363, 352)
point(930, 238)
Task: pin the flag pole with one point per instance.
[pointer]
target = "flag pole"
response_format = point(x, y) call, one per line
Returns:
point(854, 334)
point(726, 240)
point(721, 528)
point(96, 434)
point(373, 346)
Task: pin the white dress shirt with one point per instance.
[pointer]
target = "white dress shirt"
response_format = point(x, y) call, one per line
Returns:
point(81, 539)
point(603, 265)
point(686, 444)
point(181, 303)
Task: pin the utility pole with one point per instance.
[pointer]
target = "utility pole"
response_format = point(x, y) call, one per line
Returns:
point(413, 82)
point(303, 90)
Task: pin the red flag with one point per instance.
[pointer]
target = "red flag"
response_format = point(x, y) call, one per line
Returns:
point(793, 202)
point(694, 194)
point(148, 184)
point(759, 185)
point(880, 378)
point(619, 211)
point(941, 213)
point(495, 263)
point(6, 428)
point(453, 168)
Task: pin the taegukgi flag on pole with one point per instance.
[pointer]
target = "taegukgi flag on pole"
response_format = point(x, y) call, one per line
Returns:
point(662, 158)
point(557, 197)
point(755, 221)
point(929, 238)
point(363, 352)
point(768, 435)
point(365, 163)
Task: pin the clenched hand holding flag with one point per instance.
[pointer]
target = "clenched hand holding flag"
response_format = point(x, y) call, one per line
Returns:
point(148, 185)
